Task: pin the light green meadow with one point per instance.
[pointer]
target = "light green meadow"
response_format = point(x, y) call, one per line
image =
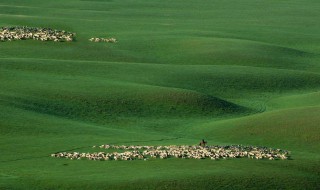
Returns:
point(230, 72)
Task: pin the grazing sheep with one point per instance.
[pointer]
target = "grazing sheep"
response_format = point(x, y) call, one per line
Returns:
point(108, 40)
point(185, 152)
point(43, 34)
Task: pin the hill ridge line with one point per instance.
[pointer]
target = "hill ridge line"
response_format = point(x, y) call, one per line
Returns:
point(159, 64)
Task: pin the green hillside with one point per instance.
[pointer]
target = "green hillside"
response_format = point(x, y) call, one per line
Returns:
point(229, 72)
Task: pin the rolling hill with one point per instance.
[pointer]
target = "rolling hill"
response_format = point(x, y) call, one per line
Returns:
point(229, 72)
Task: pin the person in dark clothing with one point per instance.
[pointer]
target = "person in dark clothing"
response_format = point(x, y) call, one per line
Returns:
point(203, 143)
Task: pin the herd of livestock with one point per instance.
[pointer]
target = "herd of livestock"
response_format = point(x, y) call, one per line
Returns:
point(35, 33)
point(173, 151)
point(14, 33)
point(108, 40)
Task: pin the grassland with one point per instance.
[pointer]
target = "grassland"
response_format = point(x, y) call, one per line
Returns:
point(231, 72)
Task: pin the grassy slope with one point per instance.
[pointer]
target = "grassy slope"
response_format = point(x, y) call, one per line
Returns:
point(182, 71)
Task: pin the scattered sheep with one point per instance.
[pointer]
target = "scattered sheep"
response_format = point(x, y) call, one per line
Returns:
point(108, 40)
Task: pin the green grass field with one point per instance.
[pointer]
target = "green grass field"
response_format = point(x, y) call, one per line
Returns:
point(231, 72)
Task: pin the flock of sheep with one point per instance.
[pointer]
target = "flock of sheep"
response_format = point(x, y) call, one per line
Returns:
point(35, 33)
point(186, 152)
point(108, 40)
point(44, 34)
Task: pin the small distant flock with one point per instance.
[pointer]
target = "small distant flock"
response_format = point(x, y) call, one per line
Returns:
point(110, 40)
point(14, 33)
point(173, 151)
point(34, 33)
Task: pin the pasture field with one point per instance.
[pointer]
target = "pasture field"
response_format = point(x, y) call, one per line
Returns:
point(230, 72)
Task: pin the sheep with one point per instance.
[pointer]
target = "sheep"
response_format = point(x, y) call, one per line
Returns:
point(111, 40)
point(43, 34)
point(185, 152)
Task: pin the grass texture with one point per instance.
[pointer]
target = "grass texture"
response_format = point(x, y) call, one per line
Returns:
point(231, 72)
